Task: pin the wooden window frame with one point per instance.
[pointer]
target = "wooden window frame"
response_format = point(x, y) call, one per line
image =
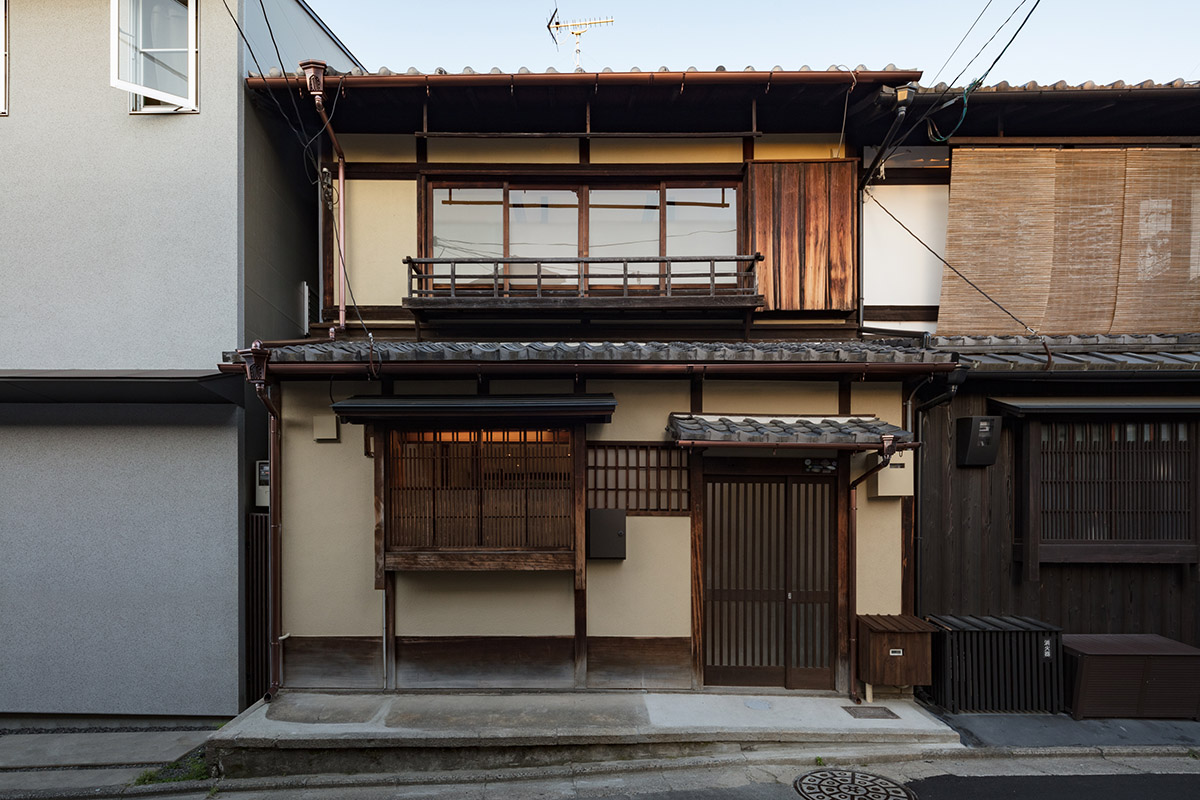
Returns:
point(391, 556)
point(662, 480)
point(1034, 549)
point(582, 187)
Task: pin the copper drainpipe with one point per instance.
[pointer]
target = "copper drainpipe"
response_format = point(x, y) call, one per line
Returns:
point(887, 449)
point(314, 74)
point(256, 358)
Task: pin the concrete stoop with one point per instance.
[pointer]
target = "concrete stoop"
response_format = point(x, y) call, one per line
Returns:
point(309, 733)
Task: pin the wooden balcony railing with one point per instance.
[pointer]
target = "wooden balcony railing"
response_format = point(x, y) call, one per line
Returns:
point(616, 282)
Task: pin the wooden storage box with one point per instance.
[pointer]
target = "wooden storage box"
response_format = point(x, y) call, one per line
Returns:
point(894, 650)
point(1140, 675)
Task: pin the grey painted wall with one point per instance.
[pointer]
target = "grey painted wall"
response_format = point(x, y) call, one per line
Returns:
point(121, 241)
point(118, 583)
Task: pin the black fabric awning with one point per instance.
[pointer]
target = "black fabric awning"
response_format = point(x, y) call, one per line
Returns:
point(478, 410)
point(1134, 406)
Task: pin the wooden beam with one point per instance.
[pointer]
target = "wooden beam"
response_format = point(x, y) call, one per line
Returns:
point(480, 560)
point(389, 631)
point(1031, 511)
point(907, 556)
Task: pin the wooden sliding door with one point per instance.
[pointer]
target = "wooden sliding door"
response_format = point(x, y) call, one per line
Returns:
point(769, 581)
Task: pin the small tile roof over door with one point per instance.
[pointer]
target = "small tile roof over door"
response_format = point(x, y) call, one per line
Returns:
point(824, 431)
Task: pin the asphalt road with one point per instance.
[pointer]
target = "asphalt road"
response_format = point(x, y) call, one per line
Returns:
point(1060, 787)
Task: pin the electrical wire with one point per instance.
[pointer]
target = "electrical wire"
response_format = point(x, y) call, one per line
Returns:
point(300, 137)
point(937, 104)
point(952, 268)
point(282, 69)
point(846, 110)
point(938, 74)
point(372, 368)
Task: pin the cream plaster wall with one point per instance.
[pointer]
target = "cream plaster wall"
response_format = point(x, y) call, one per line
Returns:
point(642, 409)
point(879, 551)
point(381, 218)
point(650, 592)
point(879, 532)
point(783, 146)
point(485, 604)
point(884, 400)
point(328, 520)
point(378, 147)
point(504, 151)
point(769, 397)
point(665, 151)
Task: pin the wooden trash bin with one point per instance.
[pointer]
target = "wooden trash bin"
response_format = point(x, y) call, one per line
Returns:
point(1131, 675)
point(894, 650)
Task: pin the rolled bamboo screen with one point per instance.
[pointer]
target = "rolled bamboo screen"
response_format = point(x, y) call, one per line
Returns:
point(1096, 241)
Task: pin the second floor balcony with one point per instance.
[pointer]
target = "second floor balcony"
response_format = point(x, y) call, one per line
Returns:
point(714, 283)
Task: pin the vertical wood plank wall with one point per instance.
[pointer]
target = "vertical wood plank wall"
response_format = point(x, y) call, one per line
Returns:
point(966, 530)
point(803, 219)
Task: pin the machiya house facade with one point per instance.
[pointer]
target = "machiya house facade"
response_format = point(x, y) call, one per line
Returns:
point(590, 405)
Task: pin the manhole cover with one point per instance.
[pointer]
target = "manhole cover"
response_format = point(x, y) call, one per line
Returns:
point(870, 712)
point(843, 784)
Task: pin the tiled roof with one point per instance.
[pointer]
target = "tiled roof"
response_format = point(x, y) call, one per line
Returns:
point(887, 351)
point(1002, 86)
point(1067, 353)
point(274, 72)
point(772, 429)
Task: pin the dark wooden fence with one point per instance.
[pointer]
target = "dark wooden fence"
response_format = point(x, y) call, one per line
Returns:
point(258, 534)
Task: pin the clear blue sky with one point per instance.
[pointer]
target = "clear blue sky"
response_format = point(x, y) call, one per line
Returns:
point(1070, 40)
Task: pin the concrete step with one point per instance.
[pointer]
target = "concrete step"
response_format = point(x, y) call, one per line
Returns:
point(307, 733)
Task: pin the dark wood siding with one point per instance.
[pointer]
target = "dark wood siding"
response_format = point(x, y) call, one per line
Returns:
point(803, 219)
point(967, 559)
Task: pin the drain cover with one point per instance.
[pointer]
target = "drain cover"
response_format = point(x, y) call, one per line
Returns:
point(870, 712)
point(842, 784)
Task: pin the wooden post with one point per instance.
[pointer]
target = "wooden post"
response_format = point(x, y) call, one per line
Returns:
point(696, 502)
point(579, 453)
point(1032, 517)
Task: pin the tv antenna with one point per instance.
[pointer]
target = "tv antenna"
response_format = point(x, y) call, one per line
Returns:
point(574, 27)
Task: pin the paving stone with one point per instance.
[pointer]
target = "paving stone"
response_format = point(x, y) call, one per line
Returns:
point(44, 779)
point(96, 749)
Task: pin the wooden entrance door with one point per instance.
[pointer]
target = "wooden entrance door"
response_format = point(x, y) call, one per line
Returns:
point(769, 581)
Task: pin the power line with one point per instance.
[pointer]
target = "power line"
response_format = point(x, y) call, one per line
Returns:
point(960, 42)
point(952, 268)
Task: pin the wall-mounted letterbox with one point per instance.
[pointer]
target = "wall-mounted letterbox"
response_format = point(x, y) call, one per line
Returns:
point(894, 650)
point(977, 441)
point(606, 533)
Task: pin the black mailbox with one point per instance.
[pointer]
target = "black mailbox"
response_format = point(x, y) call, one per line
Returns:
point(606, 533)
point(978, 441)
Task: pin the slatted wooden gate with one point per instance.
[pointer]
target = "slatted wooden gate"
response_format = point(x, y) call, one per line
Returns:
point(769, 581)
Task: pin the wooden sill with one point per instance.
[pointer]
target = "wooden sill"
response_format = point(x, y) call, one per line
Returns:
point(1116, 553)
point(479, 560)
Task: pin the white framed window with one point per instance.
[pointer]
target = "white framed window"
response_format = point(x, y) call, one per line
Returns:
point(154, 52)
point(3, 58)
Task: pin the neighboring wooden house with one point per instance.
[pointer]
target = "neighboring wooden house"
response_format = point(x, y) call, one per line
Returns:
point(1077, 209)
point(551, 297)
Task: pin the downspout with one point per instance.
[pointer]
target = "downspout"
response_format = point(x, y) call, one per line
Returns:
point(885, 456)
point(314, 74)
point(256, 358)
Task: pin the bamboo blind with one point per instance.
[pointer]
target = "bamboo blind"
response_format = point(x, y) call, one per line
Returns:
point(1097, 241)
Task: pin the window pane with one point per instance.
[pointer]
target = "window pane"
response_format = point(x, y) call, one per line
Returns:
point(152, 46)
point(702, 222)
point(468, 223)
point(623, 222)
point(543, 223)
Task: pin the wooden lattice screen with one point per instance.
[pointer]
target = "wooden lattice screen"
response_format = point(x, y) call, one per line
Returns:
point(504, 490)
point(643, 479)
point(1116, 481)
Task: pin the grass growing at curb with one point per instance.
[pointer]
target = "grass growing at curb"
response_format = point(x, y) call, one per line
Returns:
point(191, 767)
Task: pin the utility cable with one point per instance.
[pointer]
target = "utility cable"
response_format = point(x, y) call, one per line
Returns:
point(282, 69)
point(938, 74)
point(952, 268)
point(372, 368)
